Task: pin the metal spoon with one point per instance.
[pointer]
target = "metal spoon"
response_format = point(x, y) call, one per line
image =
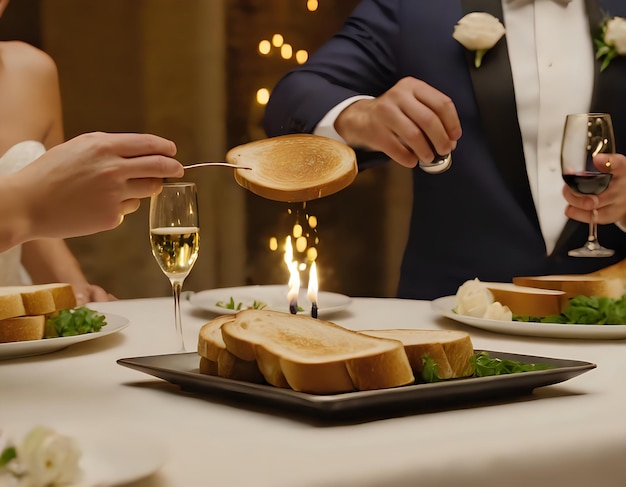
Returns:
point(224, 164)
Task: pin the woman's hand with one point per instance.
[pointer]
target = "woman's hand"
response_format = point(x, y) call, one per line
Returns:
point(90, 293)
point(87, 184)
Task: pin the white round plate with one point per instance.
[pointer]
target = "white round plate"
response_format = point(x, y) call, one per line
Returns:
point(275, 296)
point(114, 324)
point(111, 461)
point(445, 305)
point(109, 457)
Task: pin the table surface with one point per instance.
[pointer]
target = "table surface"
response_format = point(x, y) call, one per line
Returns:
point(570, 434)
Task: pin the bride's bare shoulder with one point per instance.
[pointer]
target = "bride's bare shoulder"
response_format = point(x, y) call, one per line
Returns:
point(23, 59)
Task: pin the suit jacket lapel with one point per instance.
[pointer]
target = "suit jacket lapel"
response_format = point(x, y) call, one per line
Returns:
point(499, 111)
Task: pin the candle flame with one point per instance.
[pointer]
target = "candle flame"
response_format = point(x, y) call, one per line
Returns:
point(294, 275)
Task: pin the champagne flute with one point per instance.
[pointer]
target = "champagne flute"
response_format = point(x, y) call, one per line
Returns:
point(174, 237)
point(585, 135)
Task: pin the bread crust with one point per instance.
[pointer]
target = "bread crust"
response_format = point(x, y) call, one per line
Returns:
point(22, 328)
point(294, 168)
point(451, 350)
point(36, 299)
point(11, 305)
point(216, 360)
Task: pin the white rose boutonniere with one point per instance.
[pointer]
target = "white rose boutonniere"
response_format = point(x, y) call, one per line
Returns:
point(478, 31)
point(44, 458)
point(612, 41)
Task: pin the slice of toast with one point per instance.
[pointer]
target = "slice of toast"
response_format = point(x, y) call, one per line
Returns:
point(575, 285)
point(216, 360)
point(614, 271)
point(528, 301)
point(11, 305)
point(296, 167)
point(22, 328)
point(451, 350)
point(24, 309)
point(38, 299)
point(313, 355)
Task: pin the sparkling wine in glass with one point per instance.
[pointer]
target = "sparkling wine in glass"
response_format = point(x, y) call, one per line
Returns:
point(585, 135)
point(174, 237)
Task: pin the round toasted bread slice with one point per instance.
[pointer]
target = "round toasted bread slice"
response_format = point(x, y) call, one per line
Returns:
point(528, 301)
point(615, 271)
point(294, 168)
point(575, 284)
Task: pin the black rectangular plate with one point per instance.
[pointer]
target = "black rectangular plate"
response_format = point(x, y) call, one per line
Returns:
point(182, 370)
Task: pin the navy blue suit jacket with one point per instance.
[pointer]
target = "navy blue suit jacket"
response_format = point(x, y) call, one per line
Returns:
point(478, 219)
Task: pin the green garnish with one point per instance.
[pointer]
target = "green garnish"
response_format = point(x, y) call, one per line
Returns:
point(230, 304)
point(585, 310)
point(258, 304)
point(237, 306)
point(76, 321)
point(483, 365)
point(429, 369)
point(8, 454)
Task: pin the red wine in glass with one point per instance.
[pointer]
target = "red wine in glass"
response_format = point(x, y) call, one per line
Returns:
point(586, 135)
point(588, 182)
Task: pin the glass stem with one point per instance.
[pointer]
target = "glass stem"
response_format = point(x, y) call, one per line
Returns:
point(176, 289)
point(592, 239)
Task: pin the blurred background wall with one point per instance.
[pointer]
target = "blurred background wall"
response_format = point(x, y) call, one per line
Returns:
point(191, 71)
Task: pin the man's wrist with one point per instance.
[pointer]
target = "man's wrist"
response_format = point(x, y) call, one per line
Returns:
point(326, 126)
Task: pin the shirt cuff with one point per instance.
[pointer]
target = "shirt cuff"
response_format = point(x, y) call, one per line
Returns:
point(326, 126)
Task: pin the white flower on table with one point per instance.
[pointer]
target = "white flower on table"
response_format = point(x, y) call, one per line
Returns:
point(612, 41)
point(479, 32)
point(43, 458)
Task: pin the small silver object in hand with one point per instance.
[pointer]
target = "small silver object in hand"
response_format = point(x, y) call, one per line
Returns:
point(440, 164)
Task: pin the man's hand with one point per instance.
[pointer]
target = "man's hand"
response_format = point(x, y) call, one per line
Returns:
point(406, 122)
point(610, 205)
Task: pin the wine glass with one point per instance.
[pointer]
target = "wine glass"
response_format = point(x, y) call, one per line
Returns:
point(174, 237)
point(585, 135)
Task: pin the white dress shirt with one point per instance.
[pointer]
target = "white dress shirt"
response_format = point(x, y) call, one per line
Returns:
point(551, 57)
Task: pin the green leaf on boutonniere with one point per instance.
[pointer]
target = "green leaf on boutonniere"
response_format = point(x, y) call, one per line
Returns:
point(611, 41)
point(604, 51)
point(7, 455)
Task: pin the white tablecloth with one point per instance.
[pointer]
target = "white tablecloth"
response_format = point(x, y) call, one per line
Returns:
point(569, 434)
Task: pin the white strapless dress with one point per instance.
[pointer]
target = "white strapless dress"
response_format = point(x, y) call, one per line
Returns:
point(12, 272)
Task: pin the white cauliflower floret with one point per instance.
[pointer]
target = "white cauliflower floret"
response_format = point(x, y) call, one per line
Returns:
point(473, 299)
point(496, 311)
